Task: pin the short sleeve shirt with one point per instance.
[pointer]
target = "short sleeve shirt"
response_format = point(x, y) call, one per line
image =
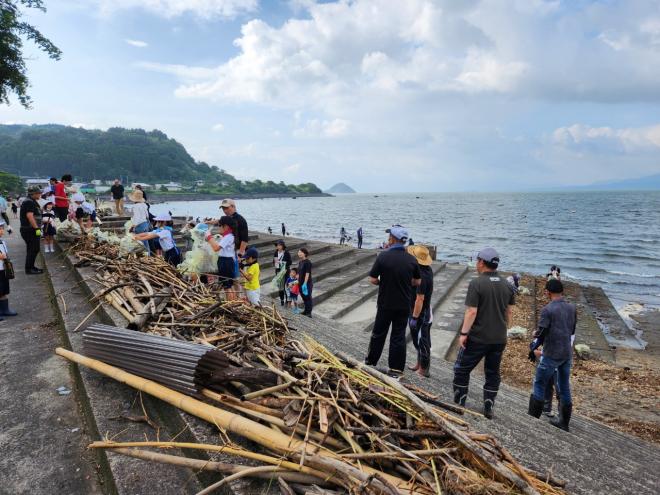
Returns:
point(165, 238)
point(60, 190)
point(425, 288)
point(241, 229)
point(30, 206)
point(560, 318)
point(227, 246)
point(395, 269)
point(491, 295)
point(254, 271)
point(305, 267)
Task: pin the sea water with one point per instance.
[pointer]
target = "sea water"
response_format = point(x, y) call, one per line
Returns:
point(609, 239)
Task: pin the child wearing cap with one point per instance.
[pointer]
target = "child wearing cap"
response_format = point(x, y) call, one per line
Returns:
point(226, 248)
point(163, 232)
point(251, 274)
point(48, 227)
point(85, 211)
point(4, 280)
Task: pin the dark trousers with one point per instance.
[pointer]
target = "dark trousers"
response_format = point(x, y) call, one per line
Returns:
point(62, 212)
point(4, 215)
point(32, 246)
point(398, 319)
point(359, 242)
point(307, 299)
point(469, 357)
point(421, 338)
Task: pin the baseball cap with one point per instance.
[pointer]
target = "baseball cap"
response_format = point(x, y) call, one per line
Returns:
point(489, 255)
point(227, 202)
point(163, 217)
point(398, 231)
point(554, 286)
point(252, 253)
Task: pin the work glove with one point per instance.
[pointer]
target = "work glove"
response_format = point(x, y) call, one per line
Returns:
point(37, 232)
point(531, 356)
point(412, 323)
point(304, 290)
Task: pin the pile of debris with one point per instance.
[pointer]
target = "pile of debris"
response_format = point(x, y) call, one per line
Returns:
point(325, 422)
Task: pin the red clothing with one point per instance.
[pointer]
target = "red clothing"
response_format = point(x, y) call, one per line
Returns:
point(59, 191)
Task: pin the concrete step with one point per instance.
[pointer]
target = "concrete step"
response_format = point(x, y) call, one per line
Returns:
point(615, 329)
point(593, 458)
point(358, 301)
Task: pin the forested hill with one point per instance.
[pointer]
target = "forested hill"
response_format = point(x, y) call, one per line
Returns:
point(144, 156)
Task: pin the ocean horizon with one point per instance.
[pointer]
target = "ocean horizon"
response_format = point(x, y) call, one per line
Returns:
point(605, 238)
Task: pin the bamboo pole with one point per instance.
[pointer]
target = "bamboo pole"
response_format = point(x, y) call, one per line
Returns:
point(244, 427)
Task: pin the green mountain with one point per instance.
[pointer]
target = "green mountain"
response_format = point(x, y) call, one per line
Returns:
point(53, 150)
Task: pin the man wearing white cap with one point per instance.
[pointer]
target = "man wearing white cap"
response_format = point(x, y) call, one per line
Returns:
point(483, 334)
point(395, 272)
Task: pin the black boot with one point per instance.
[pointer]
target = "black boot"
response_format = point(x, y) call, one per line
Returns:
point(4, 308)
point(535, 407)
point(564, 417)
point(489, 403)
point(460, 395)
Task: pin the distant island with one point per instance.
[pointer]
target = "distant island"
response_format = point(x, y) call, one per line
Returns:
point(649, 182)
point(136, 155)
point(340, 188)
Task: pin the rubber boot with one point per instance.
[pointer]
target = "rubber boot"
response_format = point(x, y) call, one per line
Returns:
point(460, 395)
point(535, 407)
point(489, 403)
point(4, 308)
point(564, 417)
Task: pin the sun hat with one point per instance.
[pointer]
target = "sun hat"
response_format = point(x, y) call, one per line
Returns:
point(489, 255)
point(163, 217)
point(228, 202)
point(136, 196)
point(398, 232)
point(78, 198)
point(421, 253)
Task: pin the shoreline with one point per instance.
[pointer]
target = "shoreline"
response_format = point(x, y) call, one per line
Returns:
point(157, 198)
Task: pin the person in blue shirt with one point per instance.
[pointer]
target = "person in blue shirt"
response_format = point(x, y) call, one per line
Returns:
point(164, 234)
point(556, 333)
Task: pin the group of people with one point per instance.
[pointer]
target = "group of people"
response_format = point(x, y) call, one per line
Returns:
point(405, 287)
point(293, 282)
point(344, 238)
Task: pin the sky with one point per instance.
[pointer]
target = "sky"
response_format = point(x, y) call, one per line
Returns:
point(385, 95)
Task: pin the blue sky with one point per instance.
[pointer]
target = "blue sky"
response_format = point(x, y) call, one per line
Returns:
point(385, 95)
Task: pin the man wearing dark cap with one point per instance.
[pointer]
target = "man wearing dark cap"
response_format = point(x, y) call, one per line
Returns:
point(556, 334)
point(395, 272)
point(483, 334)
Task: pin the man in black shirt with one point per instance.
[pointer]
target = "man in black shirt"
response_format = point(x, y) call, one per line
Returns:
point(483, 335)
point(556, 333)
point(117, 191)
point(395, 272)
point(421, 316)
point(30, 217)
point(228, 206)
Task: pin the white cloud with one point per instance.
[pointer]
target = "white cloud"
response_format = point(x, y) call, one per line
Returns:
point(627, 139)
point(323, 128)
point(205, 9)
point(218, 127)
point(137, 43)
point(292, 169)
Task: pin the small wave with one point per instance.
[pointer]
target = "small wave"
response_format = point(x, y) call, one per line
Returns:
point(628, 274)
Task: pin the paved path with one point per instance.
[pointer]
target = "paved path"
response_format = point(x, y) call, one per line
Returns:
point(41, 433)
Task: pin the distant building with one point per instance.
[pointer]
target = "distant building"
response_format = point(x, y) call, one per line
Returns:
point(170, 186)
point(97, 182)
point(199, 183)
point(102, 189)
point(37, 182)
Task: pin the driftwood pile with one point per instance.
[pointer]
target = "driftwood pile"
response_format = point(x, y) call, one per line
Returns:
point(327, 424)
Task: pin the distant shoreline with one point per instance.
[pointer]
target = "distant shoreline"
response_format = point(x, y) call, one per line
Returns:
point(155, 198)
